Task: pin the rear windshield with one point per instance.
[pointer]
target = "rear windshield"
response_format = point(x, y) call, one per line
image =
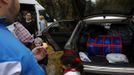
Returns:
point(108, 7)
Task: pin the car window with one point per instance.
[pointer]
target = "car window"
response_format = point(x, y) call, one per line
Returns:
point(60, 32)
point(64, 26)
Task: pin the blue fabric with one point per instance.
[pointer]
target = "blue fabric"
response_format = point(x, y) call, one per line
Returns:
point(11, 49)
point(91, 40)
point(90, 50)
point(107, 40)
point(116, 41)
point(99, 40)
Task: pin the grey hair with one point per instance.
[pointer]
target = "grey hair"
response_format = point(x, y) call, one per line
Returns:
point(38, 39)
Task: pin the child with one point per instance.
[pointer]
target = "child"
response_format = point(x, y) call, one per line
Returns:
point(71, 64)
point(40, 52)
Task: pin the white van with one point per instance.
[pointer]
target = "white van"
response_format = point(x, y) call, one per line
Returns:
point(33, 7)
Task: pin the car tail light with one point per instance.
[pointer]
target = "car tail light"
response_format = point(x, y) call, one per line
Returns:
point(67, 51)
point(72, 52)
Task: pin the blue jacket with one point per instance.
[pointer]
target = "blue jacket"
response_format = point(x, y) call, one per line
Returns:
point(15, 58)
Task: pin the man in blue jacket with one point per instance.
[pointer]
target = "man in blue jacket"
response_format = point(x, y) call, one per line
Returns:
point(15, 58)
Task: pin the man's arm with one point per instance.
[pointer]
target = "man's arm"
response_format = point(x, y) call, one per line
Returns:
point(30, 65)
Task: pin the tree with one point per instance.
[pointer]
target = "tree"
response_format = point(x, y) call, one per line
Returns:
point(64, 9)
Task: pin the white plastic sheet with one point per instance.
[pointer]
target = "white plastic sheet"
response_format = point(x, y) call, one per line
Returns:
point(116, 58)
point(84, 57)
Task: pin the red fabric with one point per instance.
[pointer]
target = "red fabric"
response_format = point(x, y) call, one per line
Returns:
point(77, 59)
point(69, 70)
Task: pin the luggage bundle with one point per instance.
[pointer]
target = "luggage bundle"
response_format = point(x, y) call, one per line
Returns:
point(103, 45)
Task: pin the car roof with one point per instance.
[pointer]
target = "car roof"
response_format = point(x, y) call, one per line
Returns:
point(27, 1)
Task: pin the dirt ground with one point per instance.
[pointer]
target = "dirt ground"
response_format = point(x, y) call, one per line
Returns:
point(53, 67)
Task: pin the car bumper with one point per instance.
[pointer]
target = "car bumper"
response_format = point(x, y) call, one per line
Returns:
point(109, 70)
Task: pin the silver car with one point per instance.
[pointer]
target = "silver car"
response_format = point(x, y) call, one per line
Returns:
point(106, 17)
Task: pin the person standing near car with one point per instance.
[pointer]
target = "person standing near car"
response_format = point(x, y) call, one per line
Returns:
point(40, 52)
point(15, 58)
point(30, 24)
point(23, 35)
point(43, 23)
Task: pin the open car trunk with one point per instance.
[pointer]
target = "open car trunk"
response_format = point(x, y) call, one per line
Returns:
point(114, 29)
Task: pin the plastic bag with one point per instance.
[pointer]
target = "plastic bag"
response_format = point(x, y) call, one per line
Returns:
point(116, 58)
point(84, 57)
